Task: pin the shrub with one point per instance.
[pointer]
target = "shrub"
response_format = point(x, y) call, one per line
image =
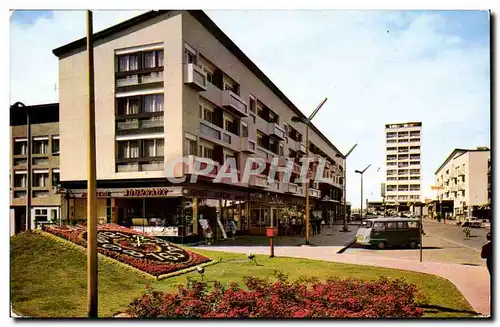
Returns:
point(303, 298)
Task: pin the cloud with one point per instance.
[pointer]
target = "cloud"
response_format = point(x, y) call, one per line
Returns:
point(374, 67)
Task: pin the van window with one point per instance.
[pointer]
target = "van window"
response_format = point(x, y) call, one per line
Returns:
point(412, 224)
point(378, 226)
point(366, 224)
point(391, 225)
point(402, 225)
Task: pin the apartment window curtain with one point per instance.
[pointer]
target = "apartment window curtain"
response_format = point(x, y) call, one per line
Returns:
point(160, 58)
point(149, 148)
point(149, 59)
point(153, 103)
point(128, 62)
point(159, 148)
point(132, 107)
point(134, 149)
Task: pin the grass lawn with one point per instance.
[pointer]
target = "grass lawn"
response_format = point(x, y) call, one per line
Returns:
point(49, 279)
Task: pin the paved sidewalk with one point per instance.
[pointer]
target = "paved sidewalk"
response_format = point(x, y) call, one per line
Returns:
point(472, 282)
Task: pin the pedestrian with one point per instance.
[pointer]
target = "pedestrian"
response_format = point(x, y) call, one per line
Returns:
point(232, 226)
point(486, 252)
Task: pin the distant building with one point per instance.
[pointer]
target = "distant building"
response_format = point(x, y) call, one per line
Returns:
point(45, 203)
point(464, 178)
point(403, 165)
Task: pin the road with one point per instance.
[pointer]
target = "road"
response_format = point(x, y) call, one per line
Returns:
point(451, 233)
point(442, 243)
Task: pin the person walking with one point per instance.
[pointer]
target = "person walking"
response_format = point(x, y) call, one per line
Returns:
point(486, 252)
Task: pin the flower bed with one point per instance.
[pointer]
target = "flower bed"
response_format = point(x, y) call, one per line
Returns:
point(138, 250)
point(334, 298)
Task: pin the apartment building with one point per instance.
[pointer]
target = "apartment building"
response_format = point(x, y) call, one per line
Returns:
point(44, 143)
point(464, 177)
point(171, 84)
point(403, 164)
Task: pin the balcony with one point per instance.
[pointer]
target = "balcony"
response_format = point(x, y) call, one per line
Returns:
point(195, 164)
point(461, 171)
point(314, 193)
point(247, 145)
point(276, 131)
point(291, 188)
point(300, 147)
point(124, 127)
point(260, 181)
point(232, 101)
point(275, 186)
point(195, 77)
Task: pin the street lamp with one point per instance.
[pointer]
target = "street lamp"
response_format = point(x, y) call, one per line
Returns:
point(345, 228)
point(19, 105)
point(361, 173)
point(307, 122)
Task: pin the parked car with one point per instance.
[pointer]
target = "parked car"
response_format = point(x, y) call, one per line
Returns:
point(472, 222)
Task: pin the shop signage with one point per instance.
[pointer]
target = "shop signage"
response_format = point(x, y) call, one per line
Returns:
point(131, 192)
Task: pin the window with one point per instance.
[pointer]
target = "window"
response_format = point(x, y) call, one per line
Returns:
point(20, 147)
point(391, 225)
point(412, 224)
point(128, 62)
point(281, 149)
point(190, 147)
point(189, 56)
point(402, 225)
point(210, 75)
point(208, 153)
point(378, 226)
point(55, 177)
point(152, 59)
point(206, 114)
point(55, 144)
point(153, 103)
point(20, 179)
point(128, 149)
point(40, 146)
point(244, 129)
point(128, 106)
point(260, 140)
point(230, 126)
point(40, 179)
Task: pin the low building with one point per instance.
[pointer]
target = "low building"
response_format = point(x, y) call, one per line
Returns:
point(463, 179)
point(44, 168)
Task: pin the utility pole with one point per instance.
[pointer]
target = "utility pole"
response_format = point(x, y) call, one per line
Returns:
point(92, 293)
point(29, 173)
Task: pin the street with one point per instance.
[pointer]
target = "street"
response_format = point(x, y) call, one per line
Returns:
point(442, 243)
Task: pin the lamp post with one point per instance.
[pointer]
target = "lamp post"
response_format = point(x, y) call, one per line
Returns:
point(307, 121)
point(361, 173)
point(92, 294)
point(19, 105)
point(344, 185)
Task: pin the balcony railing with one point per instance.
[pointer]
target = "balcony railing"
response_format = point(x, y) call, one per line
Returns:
point(247, 145)
point(258, 181)
point(125, 125)
point(277, 131)
point(233, 101)
point(300, 147)
point(314, 193)
point(209, 131)
point(138, 124)
point(195, 76)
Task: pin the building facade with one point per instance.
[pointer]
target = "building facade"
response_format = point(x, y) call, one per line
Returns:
point(44, 170)
point(464, 178)
point(171, 84)
point(403, 165)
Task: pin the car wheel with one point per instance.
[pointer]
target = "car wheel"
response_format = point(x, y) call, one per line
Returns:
point(381, 245)
point(413, 245)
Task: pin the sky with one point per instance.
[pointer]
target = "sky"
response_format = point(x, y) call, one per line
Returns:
point(375, 67)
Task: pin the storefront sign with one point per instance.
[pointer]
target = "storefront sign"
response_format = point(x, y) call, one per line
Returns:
point(131, 192)
point(147, 192)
